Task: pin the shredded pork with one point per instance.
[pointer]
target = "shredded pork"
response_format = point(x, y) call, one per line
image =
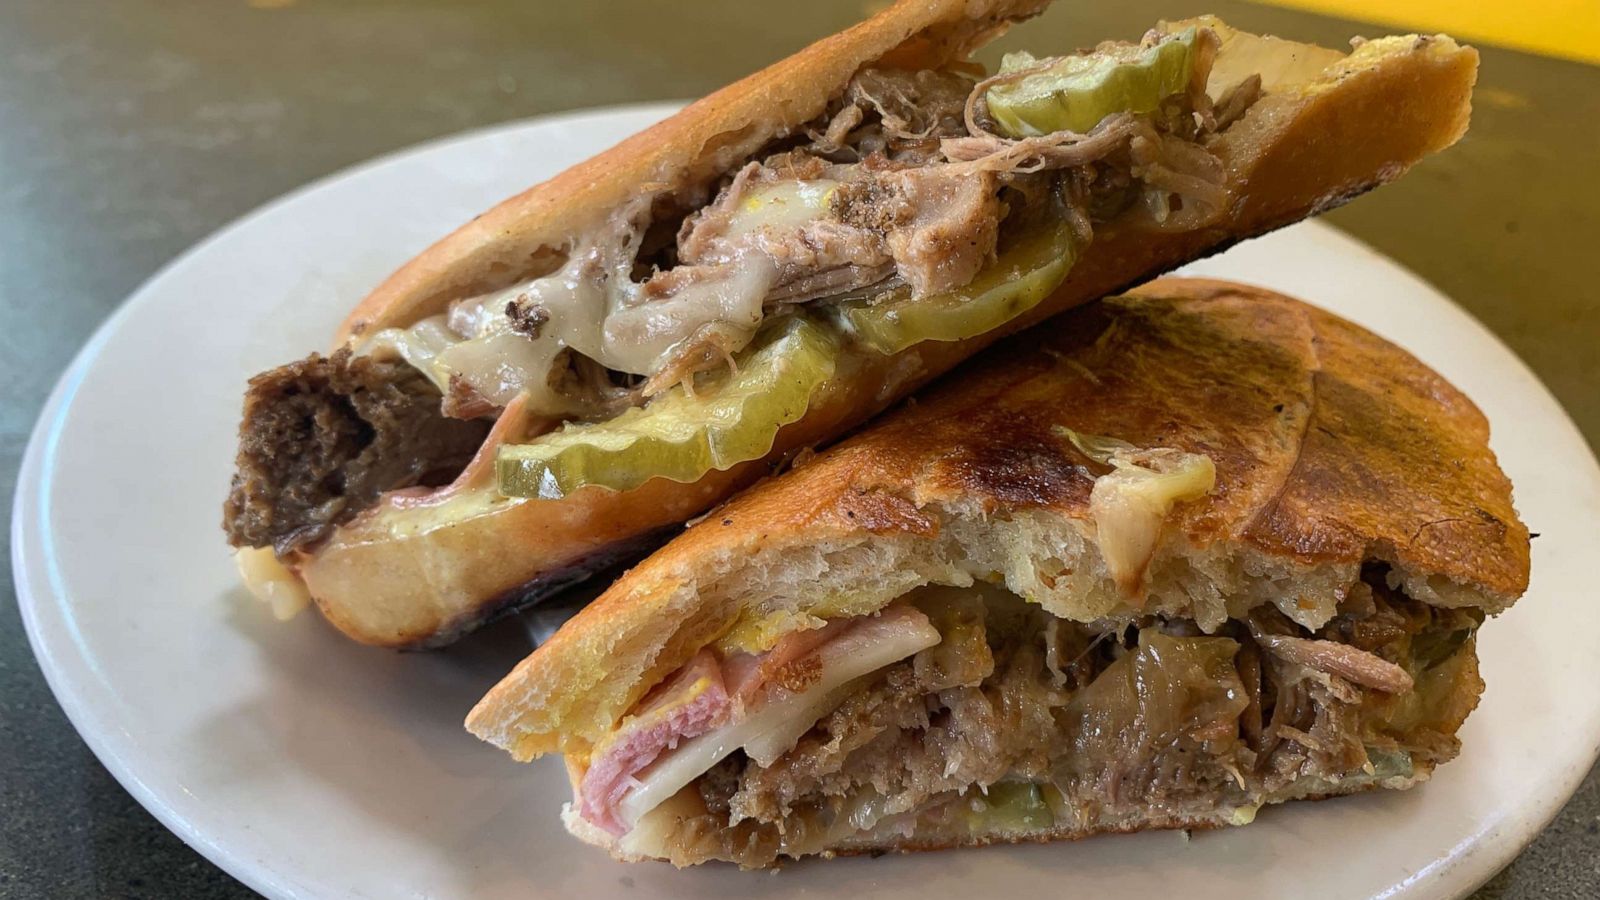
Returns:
point(920, 173)
point(1159, 718)
point(909, 190)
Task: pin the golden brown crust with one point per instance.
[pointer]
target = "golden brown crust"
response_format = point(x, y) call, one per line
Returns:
point(1330, 445)
point(1293, 154)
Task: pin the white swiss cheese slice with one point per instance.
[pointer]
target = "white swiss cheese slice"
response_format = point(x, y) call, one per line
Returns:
point(771, 727)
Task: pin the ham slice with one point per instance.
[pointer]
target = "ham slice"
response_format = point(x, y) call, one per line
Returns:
point(514, 424)
point(687, 705)
point(748, 673)
point(710, 708)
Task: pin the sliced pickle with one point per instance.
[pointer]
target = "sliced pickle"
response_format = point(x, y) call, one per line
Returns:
point(1023, 276)
point(681, 436)
point(1012, 807)
point(1076, 92)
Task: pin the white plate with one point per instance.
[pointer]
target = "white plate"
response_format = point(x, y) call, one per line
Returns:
point(311, 767)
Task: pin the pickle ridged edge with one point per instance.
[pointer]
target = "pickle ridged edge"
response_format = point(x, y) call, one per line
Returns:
point(1077, 92)
point(1017, 282)
point(678, 436)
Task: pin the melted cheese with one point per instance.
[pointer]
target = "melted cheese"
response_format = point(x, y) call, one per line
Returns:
point(1130, 504)
point(593, 306)
point(772, 727)
point(641, 338)
point(271, 582)
point(781, 205)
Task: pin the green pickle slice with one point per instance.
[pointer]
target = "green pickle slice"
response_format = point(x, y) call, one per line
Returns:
point(679, 436)
point(1023, 276)
point(1077, 92)
point(1012, 807)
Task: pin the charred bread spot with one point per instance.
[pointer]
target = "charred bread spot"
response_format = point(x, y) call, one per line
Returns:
point(883, 512)
point(1014, 462)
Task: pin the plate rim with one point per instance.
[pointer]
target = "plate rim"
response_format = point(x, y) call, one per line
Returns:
point(28, 501)
point(30, 545)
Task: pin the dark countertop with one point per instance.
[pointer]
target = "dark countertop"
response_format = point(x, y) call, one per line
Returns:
point(131, 129)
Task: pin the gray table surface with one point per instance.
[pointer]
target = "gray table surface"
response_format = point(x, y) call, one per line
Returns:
point(129, 129)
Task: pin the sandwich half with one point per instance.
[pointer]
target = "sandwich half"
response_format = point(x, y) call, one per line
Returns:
point(1194, 550)
point(614, 351)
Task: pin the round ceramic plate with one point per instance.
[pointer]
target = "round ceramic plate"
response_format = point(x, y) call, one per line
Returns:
point(308, 766)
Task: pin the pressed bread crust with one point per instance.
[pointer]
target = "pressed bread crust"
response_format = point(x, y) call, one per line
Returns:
point(1294, 153)
point(1333, 449)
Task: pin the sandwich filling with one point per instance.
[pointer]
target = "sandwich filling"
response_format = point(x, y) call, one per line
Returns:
point(923, 205)
point(967, 714)
point(907, 190)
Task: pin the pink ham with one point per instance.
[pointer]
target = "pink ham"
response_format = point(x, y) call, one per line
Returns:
point(514, 424)
point(707, 694)
point(747, 673)
point(669, 716)
point(690, 704)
